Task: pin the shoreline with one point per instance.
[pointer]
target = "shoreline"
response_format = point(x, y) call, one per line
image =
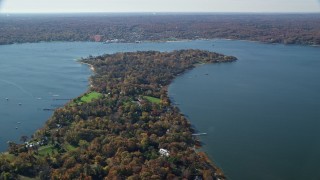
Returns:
point(197, 146)
point(177, 41)
point(93, 71)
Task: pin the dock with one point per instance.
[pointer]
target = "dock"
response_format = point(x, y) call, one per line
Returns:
point(48, 109)
point(57, 99)
point(199, 134)
point(56, 105)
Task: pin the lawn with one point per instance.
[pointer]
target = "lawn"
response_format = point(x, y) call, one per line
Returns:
point(28, 178)
point(69, 147)
point(44, 150)
point(152, 99)
point(87, 98)
point(8, 156)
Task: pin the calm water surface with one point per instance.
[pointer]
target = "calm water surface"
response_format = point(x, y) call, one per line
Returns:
point(261, 113)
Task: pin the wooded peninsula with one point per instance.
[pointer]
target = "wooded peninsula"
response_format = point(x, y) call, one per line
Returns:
point(124, 127)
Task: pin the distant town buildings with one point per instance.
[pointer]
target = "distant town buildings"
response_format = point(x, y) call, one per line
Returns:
point(97, 38)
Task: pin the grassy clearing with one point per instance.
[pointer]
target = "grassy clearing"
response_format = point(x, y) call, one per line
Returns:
point(8, 156)
point(86, 98)
point(48, 149)
point(89, 97)
point(28, 178)
point(152, 99)
point(69, 147)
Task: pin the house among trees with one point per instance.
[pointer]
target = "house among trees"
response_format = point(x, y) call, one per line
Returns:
point(164, 152)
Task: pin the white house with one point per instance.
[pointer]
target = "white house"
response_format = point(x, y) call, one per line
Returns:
point(164, 152)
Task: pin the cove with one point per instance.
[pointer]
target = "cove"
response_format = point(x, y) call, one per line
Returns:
point(261, 113)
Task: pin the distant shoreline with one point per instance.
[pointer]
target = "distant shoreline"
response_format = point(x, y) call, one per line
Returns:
point(265, 27)
point(173, 41)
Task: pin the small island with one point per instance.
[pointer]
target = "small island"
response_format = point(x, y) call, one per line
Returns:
point(124, 127)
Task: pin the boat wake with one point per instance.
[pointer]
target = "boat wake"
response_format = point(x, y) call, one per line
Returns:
point(17, 86)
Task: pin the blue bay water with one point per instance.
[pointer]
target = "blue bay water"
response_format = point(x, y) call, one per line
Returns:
point(261, 113)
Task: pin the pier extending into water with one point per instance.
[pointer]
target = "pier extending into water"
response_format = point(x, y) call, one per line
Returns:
point(199, 134)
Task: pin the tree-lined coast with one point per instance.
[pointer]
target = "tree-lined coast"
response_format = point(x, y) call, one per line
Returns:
point(112, 28)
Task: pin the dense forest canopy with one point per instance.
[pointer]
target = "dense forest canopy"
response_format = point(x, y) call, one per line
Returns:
point(124, 127)
point(270, 28)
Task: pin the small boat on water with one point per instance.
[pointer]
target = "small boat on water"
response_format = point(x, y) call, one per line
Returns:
point(20, 104)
